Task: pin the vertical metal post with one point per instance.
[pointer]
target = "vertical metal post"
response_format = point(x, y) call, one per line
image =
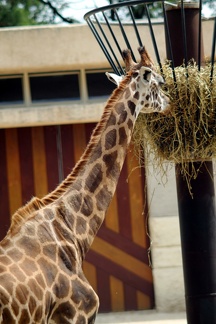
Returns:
point(198, 239)
point(197, 213)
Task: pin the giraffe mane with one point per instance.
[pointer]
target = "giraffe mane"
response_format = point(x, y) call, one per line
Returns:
point(36, 203)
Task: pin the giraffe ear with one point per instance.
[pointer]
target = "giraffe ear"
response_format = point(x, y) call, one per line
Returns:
point(146, 74)
point(114, 78)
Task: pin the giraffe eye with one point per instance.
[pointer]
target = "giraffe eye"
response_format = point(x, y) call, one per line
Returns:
point(147, 75)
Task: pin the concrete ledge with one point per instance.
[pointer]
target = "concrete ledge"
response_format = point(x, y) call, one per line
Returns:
point(50, 115)
point(141, 317)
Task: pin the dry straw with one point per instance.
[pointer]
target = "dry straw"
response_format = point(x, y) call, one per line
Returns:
point(189, 132)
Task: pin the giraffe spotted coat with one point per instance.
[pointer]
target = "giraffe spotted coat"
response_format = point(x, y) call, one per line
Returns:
point(41, 277)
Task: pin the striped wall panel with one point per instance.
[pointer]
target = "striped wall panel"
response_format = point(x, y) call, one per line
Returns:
point(117, 264)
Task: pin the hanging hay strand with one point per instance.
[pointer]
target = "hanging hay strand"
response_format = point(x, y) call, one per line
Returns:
point(189, 132)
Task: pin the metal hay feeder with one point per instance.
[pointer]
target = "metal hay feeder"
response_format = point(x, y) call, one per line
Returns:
point(114, 34)
point(115, 28)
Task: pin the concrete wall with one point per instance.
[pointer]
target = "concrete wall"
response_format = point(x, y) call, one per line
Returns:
point(165, 237)
point(61, 48)
point(42, 48)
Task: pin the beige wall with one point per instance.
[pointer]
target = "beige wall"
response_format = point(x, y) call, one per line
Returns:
point(48, 47)
point(42, 48)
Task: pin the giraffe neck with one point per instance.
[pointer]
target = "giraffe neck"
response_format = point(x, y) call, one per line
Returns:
point(91, 192)
point(82, 199)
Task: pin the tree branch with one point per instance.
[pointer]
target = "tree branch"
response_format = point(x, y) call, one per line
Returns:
point(57, 13)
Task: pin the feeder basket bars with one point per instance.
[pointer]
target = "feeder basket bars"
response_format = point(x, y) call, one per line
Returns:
point(189, 134)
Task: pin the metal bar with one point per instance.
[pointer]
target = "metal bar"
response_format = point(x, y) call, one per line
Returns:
point(153, 37)
point(135, 27)
point(95, 33)
point(124, 35)
point(116, 6)
point(107, 41)
point(169, 44)
point(213, 50)
point(199, 35)
point(109, 58)
point(184, 32)
point(115, 40)
point(184, 35)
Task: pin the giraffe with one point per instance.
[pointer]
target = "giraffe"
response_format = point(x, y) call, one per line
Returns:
point(41, 277)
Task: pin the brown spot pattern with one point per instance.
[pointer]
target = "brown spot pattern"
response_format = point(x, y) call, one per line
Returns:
point(32, 305)
point(87, 206)
point(130, 124)
point(110, 162)
point(50, 251)
point(61, 288)
point(83, 296)
point(31, 246)
point(133, 86)
point(22, 292)
point(122, 117)
point(67, 255)
point(38, 314)
point(7, 316)
point(63, 312)
point(43, 233)
point(103, 198)
point(136, 95)
point(49, 271)
point(40, 280)
point(122, 135)
point(131, 106)
point(25, 318)
point(96, 154)
point(119, 107)
point(110, 140)
point(112, 120)
point(75, 201)
point(80, 225)
point(94, 178)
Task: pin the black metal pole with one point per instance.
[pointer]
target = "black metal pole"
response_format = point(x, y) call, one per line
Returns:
point(197, 213)
point(198, 239)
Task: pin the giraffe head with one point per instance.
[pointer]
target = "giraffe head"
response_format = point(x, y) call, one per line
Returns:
point(144, 82)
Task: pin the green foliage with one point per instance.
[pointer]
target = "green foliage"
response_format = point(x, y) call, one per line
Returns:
point(19, 13)
point(31, 12)
point(155, 8)
point(139, 11)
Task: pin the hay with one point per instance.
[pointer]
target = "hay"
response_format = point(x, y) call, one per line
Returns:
point(189, 132)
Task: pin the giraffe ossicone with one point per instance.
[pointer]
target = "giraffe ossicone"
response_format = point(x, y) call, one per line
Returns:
point(41, 277)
